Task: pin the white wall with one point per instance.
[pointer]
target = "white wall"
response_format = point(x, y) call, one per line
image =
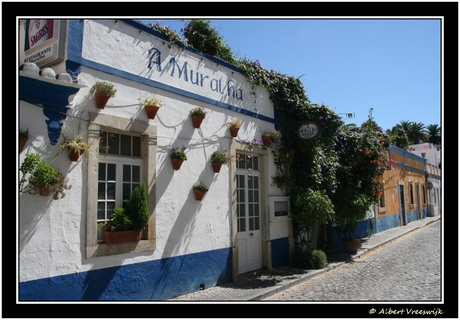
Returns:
point(52, 233)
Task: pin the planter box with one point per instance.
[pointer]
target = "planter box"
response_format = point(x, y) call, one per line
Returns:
point(111, 237)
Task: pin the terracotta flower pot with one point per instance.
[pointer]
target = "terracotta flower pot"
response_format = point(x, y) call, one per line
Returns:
point(44, 190)
point(266, 139)
point(176, 163)
point(122, 236)
point(199, 194)
point(351, 246)
point(22, 144)
point(151, 111)
point(101, 100)
point(216, 166)
point(197, 121)
point(73, 154)
point(234, 131)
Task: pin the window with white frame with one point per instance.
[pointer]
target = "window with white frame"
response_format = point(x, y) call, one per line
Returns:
point(119, 172)
point(118, 162)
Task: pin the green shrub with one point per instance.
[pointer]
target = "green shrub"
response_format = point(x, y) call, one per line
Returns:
point(310, 259)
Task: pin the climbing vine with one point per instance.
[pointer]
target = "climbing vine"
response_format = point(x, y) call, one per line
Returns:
point(339, 173)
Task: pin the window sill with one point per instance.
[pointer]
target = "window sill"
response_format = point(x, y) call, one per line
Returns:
point(101, 250)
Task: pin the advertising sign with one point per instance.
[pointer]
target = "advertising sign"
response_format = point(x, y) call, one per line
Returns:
point(308, 131)
point(42, 43)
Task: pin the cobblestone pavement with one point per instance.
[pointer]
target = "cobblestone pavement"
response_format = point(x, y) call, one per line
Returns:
point(408, 269)
point(264, 284)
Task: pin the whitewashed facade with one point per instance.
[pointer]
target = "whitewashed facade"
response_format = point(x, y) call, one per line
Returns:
point(188, 243)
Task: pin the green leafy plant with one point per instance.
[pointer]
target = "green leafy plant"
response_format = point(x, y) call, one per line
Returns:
point(172, 35)
point(37, 173)
point(198, 111)
point(221, 157)
point(309, 258)
point(134, 215)
point(200, 185)
point(153, 102)
point(76, 144)
point(103, 87)
point(312, 208)
point(202, 36)
point(177, 153)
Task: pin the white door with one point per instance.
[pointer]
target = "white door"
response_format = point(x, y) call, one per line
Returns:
point(248, 215)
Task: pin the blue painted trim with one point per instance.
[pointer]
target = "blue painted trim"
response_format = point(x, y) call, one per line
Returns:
point(153, 280)
point(53, 97)
point(75, 61)
point(280, 252)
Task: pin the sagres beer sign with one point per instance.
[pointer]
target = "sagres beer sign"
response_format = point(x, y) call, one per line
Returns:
point(308, 131)
point(43, 41)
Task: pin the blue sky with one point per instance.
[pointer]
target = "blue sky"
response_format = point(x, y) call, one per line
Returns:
point(390, 65)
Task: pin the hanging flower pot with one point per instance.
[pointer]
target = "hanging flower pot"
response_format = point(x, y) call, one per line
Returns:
point(176, 163)
point(23, 137)
point(152, 105)
point(177, 157)
point(197, 120)
point(197, 114)
point(200, 190)
point(216, 166)
point(74, 155)
point(151, 111)
point(234, 131)
point(22, 143)
point(266, 139)
point(102, 91)
point(199, 194)
point(101, 100)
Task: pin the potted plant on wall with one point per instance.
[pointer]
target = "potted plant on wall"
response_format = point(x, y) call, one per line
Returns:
point(152, 105)
point(218, 159)
point(39, 176)
point(279, 180)
point(103, 91)
point(200, 189)
point(76, 146)
point(178, 156)
point(271, 136)
point(234, 125)
point(23, 138)
point(197, 114)
point(129, 221)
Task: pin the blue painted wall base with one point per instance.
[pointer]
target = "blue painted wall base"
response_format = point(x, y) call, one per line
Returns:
point(280, 252)
point(154, 280)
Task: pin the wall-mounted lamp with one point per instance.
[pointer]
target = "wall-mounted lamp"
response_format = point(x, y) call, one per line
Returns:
point(287, 155)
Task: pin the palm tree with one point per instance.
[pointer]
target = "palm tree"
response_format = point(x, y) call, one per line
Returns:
point(434, 134)
point(417, 133)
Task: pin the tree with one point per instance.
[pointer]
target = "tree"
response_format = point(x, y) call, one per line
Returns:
point(434, 133)
point(417, 133)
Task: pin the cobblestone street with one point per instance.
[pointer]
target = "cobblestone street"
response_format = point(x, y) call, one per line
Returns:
point(407, 269)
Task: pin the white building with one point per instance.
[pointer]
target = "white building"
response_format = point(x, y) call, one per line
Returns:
point(188, 243)
point(432, 154)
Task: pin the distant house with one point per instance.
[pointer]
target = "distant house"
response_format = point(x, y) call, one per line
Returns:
point(405, 198)
point(242, 224)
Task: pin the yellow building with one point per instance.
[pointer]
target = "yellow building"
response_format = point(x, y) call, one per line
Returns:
point(405, 195)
